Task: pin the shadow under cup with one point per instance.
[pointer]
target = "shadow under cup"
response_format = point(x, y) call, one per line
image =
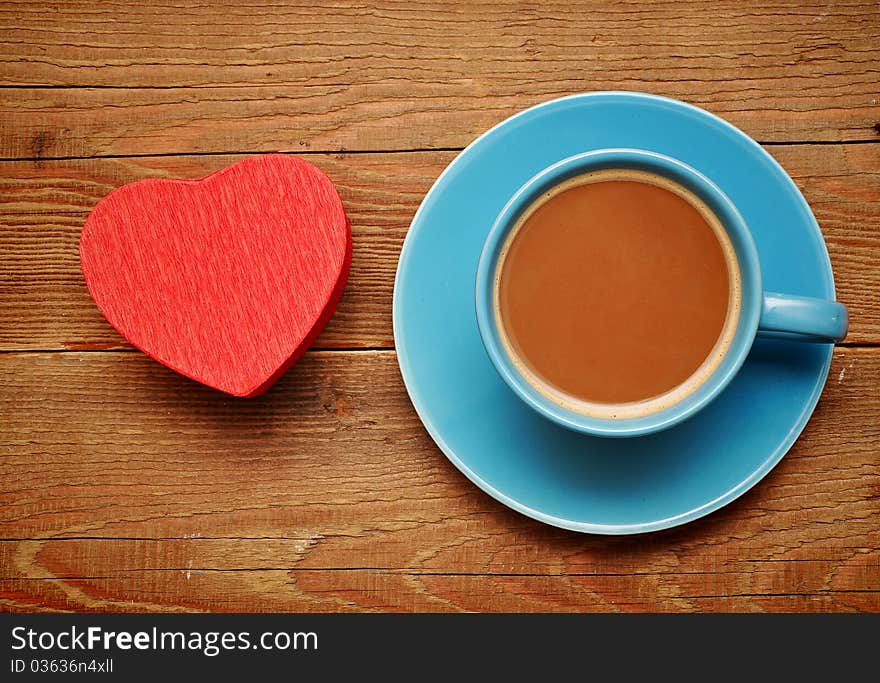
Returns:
point(721, 364)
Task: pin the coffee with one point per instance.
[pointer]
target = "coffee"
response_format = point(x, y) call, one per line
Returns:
point(617, 287)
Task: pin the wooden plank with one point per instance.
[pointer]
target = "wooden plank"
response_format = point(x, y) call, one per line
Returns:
point(44, 303)
point(126, 486)
point(358, 590)
point(222, 77)
point(163, 44)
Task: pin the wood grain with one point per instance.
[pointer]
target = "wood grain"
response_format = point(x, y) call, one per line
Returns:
point(45, 305)
point(163, 77)
point(326, 494)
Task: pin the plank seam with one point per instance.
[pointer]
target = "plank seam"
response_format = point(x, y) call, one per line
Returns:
point(344, 151)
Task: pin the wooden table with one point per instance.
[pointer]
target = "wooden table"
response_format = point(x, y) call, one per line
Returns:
point(128, 487)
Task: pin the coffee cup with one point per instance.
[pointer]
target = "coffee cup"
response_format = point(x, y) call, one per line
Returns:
point(679, 335)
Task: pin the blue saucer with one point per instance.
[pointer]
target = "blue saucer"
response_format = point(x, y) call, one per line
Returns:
point(584, 483)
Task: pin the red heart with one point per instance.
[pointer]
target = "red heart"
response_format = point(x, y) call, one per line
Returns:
point(227, 279)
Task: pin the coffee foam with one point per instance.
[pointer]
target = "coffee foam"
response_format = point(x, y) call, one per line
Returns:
point(675, 395)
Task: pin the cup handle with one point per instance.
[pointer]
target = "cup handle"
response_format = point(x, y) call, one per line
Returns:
point(803, 318)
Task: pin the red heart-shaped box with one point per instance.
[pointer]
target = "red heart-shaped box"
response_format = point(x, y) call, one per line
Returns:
point(227, 279)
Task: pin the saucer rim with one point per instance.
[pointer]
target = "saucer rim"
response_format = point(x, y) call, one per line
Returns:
point(589, 527)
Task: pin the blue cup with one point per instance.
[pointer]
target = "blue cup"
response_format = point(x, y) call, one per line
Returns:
point(795, 318)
